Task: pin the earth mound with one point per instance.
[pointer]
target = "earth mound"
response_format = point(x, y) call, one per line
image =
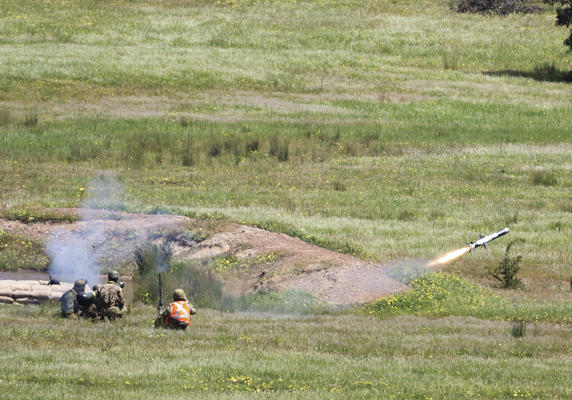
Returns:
point(286, 262)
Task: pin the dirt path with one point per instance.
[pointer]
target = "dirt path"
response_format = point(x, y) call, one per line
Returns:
point(334, 277)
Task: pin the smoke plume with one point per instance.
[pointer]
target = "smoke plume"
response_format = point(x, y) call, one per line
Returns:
point(407, 270)
point(75, 254)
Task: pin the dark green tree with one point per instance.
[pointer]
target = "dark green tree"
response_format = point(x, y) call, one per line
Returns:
point(563, 16)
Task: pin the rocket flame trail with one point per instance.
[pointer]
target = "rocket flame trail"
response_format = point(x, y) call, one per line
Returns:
point(450, 256)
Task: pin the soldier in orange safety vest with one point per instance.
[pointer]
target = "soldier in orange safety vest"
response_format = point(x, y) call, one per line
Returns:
point(177, 315)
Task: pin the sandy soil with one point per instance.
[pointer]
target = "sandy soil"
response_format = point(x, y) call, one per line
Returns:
point(334, 277)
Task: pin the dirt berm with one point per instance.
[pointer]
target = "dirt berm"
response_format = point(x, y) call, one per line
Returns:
point(260, 260)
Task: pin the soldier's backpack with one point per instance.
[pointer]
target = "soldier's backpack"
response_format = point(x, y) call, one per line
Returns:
point(108, 295)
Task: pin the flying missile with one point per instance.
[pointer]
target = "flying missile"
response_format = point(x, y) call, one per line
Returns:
point(484, 240)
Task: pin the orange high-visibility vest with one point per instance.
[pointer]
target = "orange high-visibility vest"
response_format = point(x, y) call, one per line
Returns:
point(179, 311)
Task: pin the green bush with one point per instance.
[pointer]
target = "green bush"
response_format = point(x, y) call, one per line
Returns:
point(496, 6)
point(198, 281)
point(518, 328)
point(507, 269)
point(153, 258)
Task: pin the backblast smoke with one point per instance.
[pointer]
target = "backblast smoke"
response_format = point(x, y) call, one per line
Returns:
point(74, 253)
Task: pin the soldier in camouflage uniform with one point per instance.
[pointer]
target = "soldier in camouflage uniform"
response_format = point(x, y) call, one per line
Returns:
point(110, 301)
point(71, 306)
point(177, 315)
point(87, 303)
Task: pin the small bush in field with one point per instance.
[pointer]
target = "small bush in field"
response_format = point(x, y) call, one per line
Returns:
point(31, 119)
point(507, 269)
point(252, 145)
point(518, 328)
point(279, 148)
point(151, 257)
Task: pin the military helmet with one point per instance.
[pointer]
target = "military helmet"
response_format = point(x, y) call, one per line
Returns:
point(80, 283)
point(179, 294)
point(113, 276)
point(97, 286)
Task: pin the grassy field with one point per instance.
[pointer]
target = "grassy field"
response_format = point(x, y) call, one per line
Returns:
point(367, 125)
point(395, 130)
point(234, 356)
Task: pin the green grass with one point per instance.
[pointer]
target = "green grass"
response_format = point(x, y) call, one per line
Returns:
point(31, 215)
point(249, 355)
point(384, 130)
point(394, 131)
point(19, 252)
point(440, 294)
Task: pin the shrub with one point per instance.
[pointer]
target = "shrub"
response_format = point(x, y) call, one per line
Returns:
point(195, 278)
point(31, 119)
point(187, 152)
point(545, 178)
point(518, 328)
point(406, 215)
point(496, 6)
point(339, 186)
point(507, 269)
point(200, 284)
point(564, 17)
point(252, 145)
point(152, 258)
point(279, 148)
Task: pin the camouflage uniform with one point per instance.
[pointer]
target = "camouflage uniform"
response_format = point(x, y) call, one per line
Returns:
point(87, 303)
point(70, 304)
point(110, 301)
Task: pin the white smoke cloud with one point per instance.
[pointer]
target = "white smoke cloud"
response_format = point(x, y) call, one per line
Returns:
point(75, 253)
point(407, 270)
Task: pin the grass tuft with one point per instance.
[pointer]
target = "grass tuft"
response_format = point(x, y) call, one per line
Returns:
point(544, 178)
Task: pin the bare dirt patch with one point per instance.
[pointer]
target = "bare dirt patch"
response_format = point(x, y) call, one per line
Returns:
point(334, 277)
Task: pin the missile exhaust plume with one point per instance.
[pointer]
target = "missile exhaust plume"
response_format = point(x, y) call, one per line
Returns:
point(450, 256)
point(454, 254)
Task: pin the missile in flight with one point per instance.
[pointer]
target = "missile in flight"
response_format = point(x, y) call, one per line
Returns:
point(484, 240)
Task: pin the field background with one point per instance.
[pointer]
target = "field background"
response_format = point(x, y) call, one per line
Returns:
point(391, 129)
